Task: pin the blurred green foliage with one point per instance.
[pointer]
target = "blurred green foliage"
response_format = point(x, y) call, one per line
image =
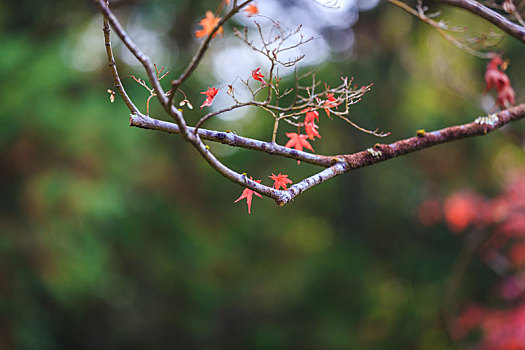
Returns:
point(120, 238)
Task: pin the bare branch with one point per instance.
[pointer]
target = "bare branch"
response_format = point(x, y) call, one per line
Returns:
point(465, 44)
point(232, 139)
point(213, 114)
point(481, 126)
point(272, 47)
point(375, 132)
point(490, 15)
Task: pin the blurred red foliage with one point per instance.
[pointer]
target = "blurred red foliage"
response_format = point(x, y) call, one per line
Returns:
point(502, 330)
point(460, 210)
point(503, 220)
point(495, 78)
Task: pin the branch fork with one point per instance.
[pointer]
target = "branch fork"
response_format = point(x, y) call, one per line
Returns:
point(333, 165)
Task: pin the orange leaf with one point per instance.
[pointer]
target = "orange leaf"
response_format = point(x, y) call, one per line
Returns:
point(208, 23)
point(251, 10)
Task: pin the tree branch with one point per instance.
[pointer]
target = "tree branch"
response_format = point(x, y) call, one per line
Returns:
point(380, 153)
point(481, 126)
point(490, 15)
point(340, 164)
point(335, 165)
point(232, 139)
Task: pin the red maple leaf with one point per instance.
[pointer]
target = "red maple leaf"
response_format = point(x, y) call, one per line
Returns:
point(248, 194)
point(330, 103)
point(280, 181)
point(298, 141)
point(210, 95)
point(256, 74)
point(311, 130)
point(310, 115)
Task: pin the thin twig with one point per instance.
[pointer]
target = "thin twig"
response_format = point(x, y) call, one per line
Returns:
point(134, 49)
point(113, 67)
point(440, 28)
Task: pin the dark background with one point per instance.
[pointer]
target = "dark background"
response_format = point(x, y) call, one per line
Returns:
point(120, 238)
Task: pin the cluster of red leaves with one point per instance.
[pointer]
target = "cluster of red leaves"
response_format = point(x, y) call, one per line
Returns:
point(309, 123)
point(280, 180)
point(503, 217)
point(505, 214)
point(298, 140)
point(495, 78)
